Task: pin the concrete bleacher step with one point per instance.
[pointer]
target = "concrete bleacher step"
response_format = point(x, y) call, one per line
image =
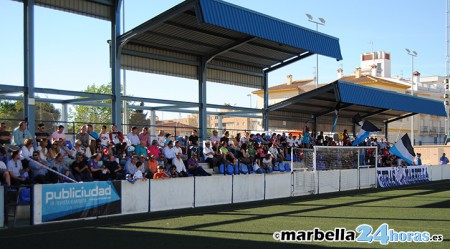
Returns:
point(206, 167)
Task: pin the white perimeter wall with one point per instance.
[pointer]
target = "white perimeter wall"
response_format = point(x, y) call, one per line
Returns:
point(213, 190)
point(278, 185)
point(171, 193)
point(248, 188)
point(135, 197)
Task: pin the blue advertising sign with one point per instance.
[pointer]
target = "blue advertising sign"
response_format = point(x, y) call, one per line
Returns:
point(396, 176)
point(80, 200)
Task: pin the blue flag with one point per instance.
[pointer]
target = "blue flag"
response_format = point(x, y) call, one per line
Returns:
point(335, 118)
point(403, 149)
point(366, 129)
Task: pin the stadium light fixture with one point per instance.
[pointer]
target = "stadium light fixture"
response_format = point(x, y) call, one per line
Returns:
point(320, 22)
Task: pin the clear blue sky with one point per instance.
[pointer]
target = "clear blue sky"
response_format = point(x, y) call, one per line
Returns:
point(72, 52)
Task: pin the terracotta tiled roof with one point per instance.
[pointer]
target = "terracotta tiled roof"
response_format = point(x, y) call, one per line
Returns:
point(296, 84)
point(372, 79)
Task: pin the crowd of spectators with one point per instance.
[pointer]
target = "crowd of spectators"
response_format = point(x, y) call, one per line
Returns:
point(112, 155)
point(107, 155)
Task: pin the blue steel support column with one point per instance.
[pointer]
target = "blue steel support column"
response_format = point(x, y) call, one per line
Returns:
point(266, 102)
point(315, 124)
point(28, 96)
point(115, 64)
point(202, 101)
point(386, 130)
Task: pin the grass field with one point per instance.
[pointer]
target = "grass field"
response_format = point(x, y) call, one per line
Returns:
point(418, 208)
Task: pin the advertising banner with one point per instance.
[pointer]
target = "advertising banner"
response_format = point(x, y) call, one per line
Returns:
point(80, 200)
point(396, 176)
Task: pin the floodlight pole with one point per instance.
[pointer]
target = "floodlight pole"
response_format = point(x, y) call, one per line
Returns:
point(322, 22)
point(412, 54)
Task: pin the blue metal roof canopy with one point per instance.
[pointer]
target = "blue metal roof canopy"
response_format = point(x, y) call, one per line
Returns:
point(372, 103)
point(237, 44)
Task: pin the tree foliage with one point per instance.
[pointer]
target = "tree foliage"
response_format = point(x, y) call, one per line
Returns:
point(11, 111)
point(94, 114)
point(138, 118)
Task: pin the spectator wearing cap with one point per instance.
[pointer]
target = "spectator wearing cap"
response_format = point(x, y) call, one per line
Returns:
point(169, 152)
point(178, 162)
point(161, 174)
point(20, 134)
point(194, 168)
point(133, 136)
point(59, 134)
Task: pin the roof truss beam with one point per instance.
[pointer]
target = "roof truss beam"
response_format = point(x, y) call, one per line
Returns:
point(229, 47)
point(236, 108)
point(341, 106)
point(288, 61)
point(400, 117)
point(301, 97)
point(154, 22)
point(374, 113)
point(221, 35)
point(81, 100)
point(97, 96)
point(161, 101)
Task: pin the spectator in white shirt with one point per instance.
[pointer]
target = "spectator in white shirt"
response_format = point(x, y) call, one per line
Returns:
point(27, 149)
point(178, 162)
point(133, 136)
point(169, 152)
point(4, 174)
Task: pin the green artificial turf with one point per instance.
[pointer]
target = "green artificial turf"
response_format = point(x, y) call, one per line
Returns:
point(417, 208)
